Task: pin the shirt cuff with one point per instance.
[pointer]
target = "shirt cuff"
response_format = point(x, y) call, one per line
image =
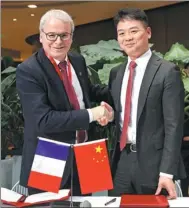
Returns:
point(166, 175)
point(112, 117)
point(90, 115)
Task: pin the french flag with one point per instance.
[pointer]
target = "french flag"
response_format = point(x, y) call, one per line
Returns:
point(48, 165)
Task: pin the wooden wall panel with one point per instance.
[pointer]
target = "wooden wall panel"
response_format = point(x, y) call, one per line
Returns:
point(14, 33)
point(92, 33)
point(178, 24)
point(169, 25)
point(158, 23)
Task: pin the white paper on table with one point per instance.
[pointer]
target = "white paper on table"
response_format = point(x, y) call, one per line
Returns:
point(11, 196)
point(99, 201)
point(47, 196)
point(179, 202)
point(8, 195)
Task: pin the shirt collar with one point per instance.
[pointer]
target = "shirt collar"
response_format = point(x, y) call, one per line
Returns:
point(142, 59)
point(57, 61)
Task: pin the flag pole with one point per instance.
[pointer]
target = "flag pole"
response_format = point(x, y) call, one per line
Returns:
point(71, 175)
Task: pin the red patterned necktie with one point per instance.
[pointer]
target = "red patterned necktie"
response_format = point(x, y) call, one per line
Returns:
point(81, 134)
point(124, 135)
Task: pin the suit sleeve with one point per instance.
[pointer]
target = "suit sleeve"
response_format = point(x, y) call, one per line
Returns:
point(173, 112)
point(37, 108)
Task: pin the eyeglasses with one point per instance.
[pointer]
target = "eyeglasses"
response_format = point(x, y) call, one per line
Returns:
point(53, 36)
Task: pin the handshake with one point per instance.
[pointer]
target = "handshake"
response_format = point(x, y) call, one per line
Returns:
point(103, 113)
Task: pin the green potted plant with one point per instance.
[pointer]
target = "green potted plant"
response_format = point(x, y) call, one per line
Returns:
point(11, 115)
point(180, 56)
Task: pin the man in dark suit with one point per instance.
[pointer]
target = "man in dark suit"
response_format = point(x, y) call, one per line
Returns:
point(56, 94)
point(148, 98)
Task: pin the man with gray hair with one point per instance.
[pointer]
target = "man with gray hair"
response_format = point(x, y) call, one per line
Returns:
point(56, 95)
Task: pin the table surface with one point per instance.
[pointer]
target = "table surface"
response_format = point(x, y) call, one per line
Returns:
point(99, 201)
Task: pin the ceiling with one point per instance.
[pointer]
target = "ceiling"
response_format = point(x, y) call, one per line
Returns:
point(83, 12)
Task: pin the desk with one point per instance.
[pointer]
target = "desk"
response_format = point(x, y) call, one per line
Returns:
point(99, 201)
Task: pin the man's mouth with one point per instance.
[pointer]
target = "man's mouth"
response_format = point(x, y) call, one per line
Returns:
point(59, 48)
point(130, 44)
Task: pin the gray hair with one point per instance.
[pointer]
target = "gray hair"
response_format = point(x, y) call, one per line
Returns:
point(57, 14)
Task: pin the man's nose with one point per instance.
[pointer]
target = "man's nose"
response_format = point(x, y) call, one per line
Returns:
point(128, 37)
point(58, 40)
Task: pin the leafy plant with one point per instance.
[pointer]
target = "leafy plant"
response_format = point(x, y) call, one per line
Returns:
point(158, 54)
point(11, 115)
point(180, 56)
point(186, 109)
point(101, 53)
point(186, 83)
point(177, 54)
point(105, 72)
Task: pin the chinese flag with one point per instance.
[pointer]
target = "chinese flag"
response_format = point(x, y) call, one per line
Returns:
point(93, 166)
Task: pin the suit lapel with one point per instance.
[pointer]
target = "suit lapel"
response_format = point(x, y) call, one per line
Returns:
point(53, 76)
point(117, 89)
point(78, 68)
point(49, 68)
point(149, 74)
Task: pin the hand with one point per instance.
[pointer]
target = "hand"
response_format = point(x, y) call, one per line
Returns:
point(109, 117)
point(168, 184)
point(186, 138)
point(99, 112)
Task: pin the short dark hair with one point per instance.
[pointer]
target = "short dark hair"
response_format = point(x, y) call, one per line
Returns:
point(131, 14)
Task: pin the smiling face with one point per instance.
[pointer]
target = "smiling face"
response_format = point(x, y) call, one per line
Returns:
point(59, 48)
point(133, 36)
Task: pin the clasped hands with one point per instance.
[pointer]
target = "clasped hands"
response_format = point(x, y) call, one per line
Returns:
point(103, 113)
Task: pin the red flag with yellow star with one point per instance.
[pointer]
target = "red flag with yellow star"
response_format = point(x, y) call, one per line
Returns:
point(93, 166)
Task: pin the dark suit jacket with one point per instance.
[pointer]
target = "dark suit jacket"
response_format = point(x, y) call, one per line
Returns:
point(185, 147)
point(160, 117)
point(46, 107)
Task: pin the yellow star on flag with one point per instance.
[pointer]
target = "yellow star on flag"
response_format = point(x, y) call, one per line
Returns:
point(98, 149)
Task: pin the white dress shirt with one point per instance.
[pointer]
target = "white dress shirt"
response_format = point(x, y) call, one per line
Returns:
point(77, 88)
point(141, 62)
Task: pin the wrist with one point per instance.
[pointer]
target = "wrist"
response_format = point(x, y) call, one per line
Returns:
point(166, 175)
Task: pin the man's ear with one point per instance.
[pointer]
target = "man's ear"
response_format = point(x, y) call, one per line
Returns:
point(40, 38)
point(72, 40)
point(149, 31)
